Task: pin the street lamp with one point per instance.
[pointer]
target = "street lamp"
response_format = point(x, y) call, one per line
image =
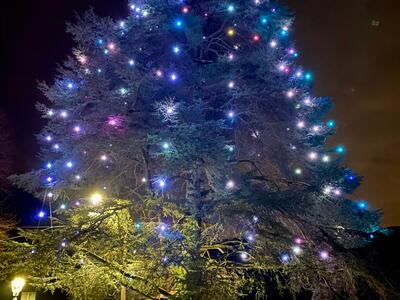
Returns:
point(16, 286)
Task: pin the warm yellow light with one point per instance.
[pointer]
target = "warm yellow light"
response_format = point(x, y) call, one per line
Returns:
point(16, 285)
point(96, 198)
point(230, 32)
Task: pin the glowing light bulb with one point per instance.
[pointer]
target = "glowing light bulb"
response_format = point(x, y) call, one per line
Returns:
point(159, 73)
point(362, 205)
point(264, 20)
point(49, 165)
point(244, 256)
point(185, 9)
point(48, 138)
point(103, 157)
point(131, 62)
point(165, 146)
point(290, 93)
point(307, 101)
point(178, 23)
point(230, 184)
point(78, 177)
point(308, 76)
point(298, 171)
point(123, 91)
point(63, 206)
point(50, 113)
point(77, 129)
point(50, 194)
point(327, 190)
point(96, 198)
point(64, 114)
point(173, 76)
point(324, 255)
point(313, 155)
point(231, 84)
point(111, 46)
point(230, 32)
point(284, 258)
point(301, 124)
point(69, 164)
point(326, 158)
point(340, 149)
point(161, 183)
point(231, 56)
point(296, 250)
point(256, 37)
point(231, 114)
point(144, 179)
point(231, 8)
point(250, 237)
point(49, 179)
point(273, 44)
point(41, 214)
point(298, 241)
point(330, 123)
point(316, 128)
point(255, 219)
point(63, 244)
point(176, 49)
point(337, 192)
point(70, 85)
point(56, 146)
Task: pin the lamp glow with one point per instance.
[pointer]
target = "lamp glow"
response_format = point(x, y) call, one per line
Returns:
point(17, 285)
point(96, 198)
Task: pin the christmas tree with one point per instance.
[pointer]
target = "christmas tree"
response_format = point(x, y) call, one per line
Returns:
point(184, 158)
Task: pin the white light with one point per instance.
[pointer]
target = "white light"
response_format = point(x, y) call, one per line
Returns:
point(313, 155)
point(103, 157)
point(56, 146)
point(300, 124)
point(337, 192)
point(77, 129)
point(50, 194)
point(96, 198)
point(122, 24)
point(70, 85)
point(165, 145)
point(231, 114)
point(326, 158)
point(144, 179)
point(230, 184)
point(41, 214)
point(290, 94)
point(173, 76)
point(49, 165)
point(273, 43)
point(111, 46)
point(296, 250)
point(49, 179)
point(16, 286)
point(176, 49)
point(298, 171)
point(327, 190)
point(324, 255)
point(64, 114)
point(50, 112)
point(69, 164)
point(307, 101)
point(48, 138)
point(63, 244)
point(77, 177)
point(131, 62)
point(244, 256)
point(231, 84)
point(316, 128)
point(161, 183)
point(63, 206)
point(159, 73)
point(231, 56)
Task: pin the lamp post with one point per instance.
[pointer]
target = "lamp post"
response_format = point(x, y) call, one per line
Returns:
point(16, 286)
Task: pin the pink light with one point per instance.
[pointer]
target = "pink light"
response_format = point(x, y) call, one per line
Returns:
point(111, 46)
point(77, 129)
point(185, 9)
point(298, 241)
point(159, 73)
point(256, 37)
point(114, 121)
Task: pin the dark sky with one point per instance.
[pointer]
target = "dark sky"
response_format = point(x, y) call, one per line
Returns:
point(353, 61)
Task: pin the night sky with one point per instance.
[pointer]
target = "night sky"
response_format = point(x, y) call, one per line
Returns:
point(353, 61)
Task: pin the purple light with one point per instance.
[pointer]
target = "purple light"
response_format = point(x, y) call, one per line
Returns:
point(77, 129)
point(48, 138)
point(285, 258)
point(298, 241)
point(114, 121)
point(324, 255)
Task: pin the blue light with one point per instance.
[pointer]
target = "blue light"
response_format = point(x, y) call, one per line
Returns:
point(362, 205)
point(308, 76)
point(49, 165)
point(106, 51)
point(178, 23)
point(49, 179)
point(41, 214)
point(296, 54)
point(285, 258)
point(330, 123)
point(283, 32)
point(161, 183)
point(231, 114)
point(69, 164)
point(176, 49)
point(371, 236)
point(165, 146)
point(231, 8)
point(137, 225)
point(264, 20)
point(340, 149)
point(131, 62)
point(100, 41)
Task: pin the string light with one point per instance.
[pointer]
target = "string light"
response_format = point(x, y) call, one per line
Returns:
point(231, 8)
point(50, 113)
point(296, 250)
point(230, 32)
point(285, 258)
point(69, 164)
point(173, 76)
point(273, 43)
point(313, 155)
point(131, 62)
point(77, 129)
point(301, 124)
point(324, 255)
point(176, 49)
point(41, 214)
point(231, 84)
point(64, 114)
point(49, 165)
point(326, 158)
point(230, 184)
point(161, 183)
point(298, 171)
point(48, 138)
point(96, 198)
point(185, 9)
point(103, 157)
point(340, 149)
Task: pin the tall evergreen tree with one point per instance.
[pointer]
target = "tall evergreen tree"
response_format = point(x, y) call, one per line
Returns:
point(185, 158)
